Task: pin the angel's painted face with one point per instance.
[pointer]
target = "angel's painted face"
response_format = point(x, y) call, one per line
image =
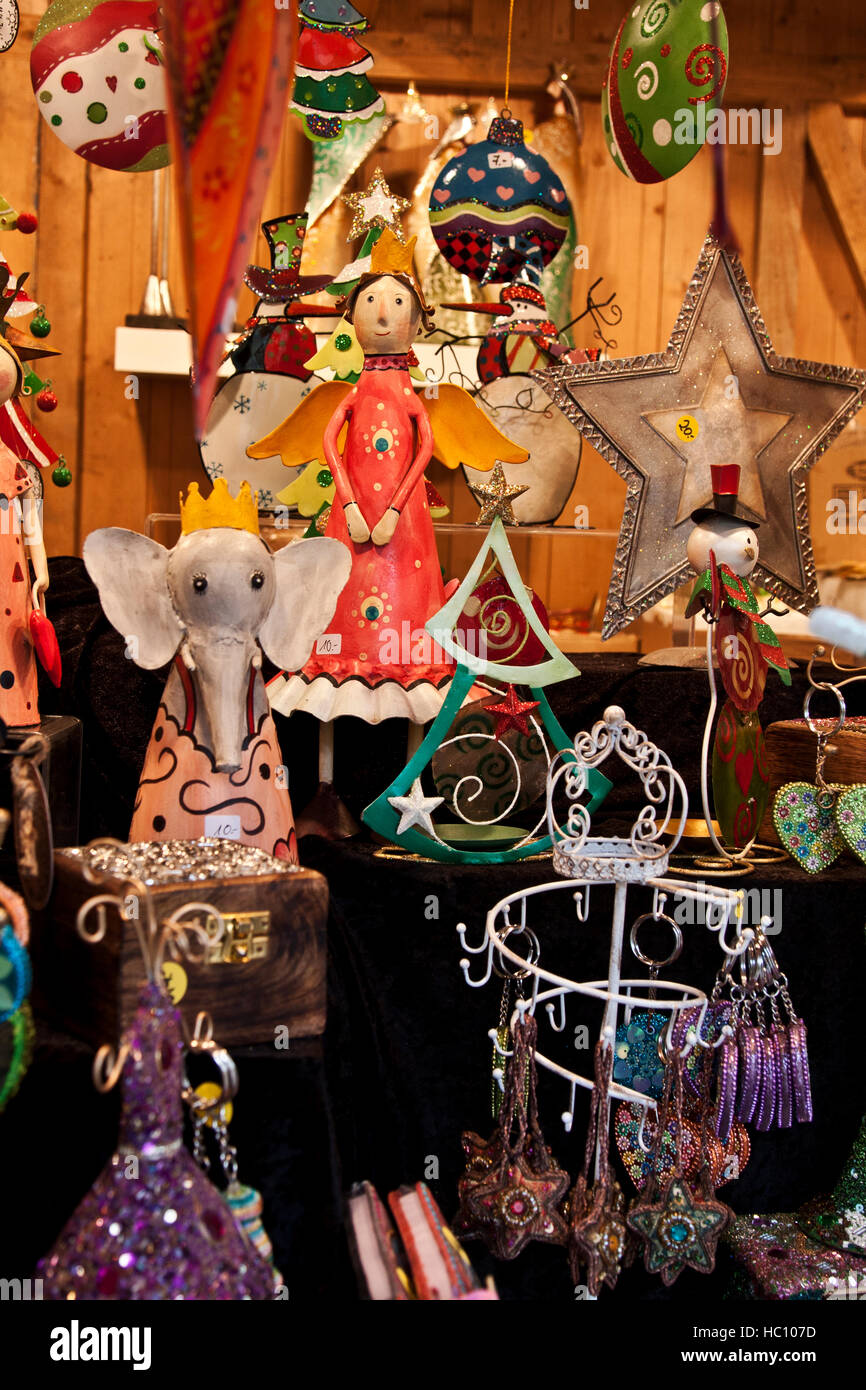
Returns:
point(386, 316)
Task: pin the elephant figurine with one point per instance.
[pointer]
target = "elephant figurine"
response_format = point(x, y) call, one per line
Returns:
point(211, 606)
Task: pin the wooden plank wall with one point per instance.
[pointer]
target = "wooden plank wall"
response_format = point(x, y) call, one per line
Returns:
point(90, 257)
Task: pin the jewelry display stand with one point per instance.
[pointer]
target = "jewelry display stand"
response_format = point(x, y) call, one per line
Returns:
point(587, 863)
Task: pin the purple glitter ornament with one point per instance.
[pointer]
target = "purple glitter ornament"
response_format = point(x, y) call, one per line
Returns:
point(800, 1069)
point(728, 1066)
point(750, 1072)
point(769, 1085)
point(153, 1226)
point(785, 1111)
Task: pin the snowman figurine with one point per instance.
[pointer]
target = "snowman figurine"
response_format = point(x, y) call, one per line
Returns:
point(723, 550)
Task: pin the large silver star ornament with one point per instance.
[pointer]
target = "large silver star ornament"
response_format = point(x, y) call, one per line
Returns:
point(717, 394)
point(416, 808)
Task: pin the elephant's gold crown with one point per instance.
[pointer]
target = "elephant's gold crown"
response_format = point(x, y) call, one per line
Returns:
point(199, 513)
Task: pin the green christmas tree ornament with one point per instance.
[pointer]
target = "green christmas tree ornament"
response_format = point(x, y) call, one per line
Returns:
point(488, 757)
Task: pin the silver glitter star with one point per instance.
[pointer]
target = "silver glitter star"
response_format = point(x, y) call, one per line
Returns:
point(416, 808)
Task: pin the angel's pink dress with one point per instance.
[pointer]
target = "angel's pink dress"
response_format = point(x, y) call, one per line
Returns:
point(387, 665)
point(18, 685)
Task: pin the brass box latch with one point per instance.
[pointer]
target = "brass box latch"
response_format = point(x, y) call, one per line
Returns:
point(245, 938)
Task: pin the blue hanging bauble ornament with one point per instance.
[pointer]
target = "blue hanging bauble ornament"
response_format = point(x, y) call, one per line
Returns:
point(498, 212)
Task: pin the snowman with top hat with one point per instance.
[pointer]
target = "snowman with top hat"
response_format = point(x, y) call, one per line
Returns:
point(723, 550)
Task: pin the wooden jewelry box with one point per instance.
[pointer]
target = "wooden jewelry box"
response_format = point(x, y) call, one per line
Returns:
point(264, 982)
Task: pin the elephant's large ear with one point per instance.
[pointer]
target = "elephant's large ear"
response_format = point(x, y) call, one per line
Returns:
point(310, 576)
point(130, 572)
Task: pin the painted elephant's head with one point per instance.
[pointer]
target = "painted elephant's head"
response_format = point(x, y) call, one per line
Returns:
point(218, 595)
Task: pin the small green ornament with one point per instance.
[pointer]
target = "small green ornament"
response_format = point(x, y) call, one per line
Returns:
point(40, 327)
point(342, 342)
point(62, 475)
point(33, 384)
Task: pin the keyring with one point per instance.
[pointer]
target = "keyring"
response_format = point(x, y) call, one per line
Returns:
point(531, 959)
point(203, 1041)
point(824, 733)
point(638, 953)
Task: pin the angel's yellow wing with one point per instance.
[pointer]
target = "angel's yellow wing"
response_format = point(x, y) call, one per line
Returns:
point(462, 433)
point(299, 438)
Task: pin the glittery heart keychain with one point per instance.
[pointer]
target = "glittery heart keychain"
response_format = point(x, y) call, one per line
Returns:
point(851, 819)
point(637, 1063)
point(815, 821)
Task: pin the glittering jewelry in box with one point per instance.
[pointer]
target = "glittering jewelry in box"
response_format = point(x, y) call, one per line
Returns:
point(267, 971)
point(662, 1134)
point(152, 1226)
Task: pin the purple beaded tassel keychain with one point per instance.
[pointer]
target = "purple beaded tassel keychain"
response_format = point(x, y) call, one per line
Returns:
point(152, 1226)
point(764, 1067)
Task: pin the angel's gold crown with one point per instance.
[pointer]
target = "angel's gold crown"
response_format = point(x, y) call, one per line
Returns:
point(390, 256)
point(199, 513)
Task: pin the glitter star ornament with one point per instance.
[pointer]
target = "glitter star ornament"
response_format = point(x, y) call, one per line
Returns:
point(377, 206)
point(415, 808)
point(598, 1234)
point(496, 497)
point(517, 1205)
point(680, 1229)
point(512, 1190)
point(512, 712)
point(717, 393)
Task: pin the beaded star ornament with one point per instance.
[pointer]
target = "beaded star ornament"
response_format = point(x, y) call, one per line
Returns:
point(679, 1223)
point(512, 1190)
point(596, 1212)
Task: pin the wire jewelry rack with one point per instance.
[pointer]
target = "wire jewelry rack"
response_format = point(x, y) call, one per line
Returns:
point(587, 865)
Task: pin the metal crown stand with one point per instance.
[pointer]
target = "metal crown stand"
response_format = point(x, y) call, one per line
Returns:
point(584, 863)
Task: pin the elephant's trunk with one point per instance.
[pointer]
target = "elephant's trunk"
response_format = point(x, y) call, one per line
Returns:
point(222, 673)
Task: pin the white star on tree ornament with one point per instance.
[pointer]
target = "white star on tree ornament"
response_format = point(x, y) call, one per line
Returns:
point(377, 206)
point(496, 498)
point(416, 808)
point(630, 409)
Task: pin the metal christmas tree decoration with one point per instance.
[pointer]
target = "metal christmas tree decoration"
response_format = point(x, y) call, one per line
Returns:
point(488, 759)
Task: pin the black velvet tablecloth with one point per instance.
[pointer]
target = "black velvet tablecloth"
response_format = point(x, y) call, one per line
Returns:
point(405, 1062)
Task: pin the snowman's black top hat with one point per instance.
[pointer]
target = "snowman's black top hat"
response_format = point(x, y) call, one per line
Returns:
point(726, 485)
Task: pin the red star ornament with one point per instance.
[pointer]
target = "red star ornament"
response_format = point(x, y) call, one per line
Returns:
point(512, 713)
point(517, 1205)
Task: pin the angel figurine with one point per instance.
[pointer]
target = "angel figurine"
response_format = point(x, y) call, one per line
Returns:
point(377, 437)
point(723, 549)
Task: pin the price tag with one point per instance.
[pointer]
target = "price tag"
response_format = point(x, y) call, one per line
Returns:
point(175, 979)
point(688, 428)
point(500, 159)
point(329, 644)
point(223, 827)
